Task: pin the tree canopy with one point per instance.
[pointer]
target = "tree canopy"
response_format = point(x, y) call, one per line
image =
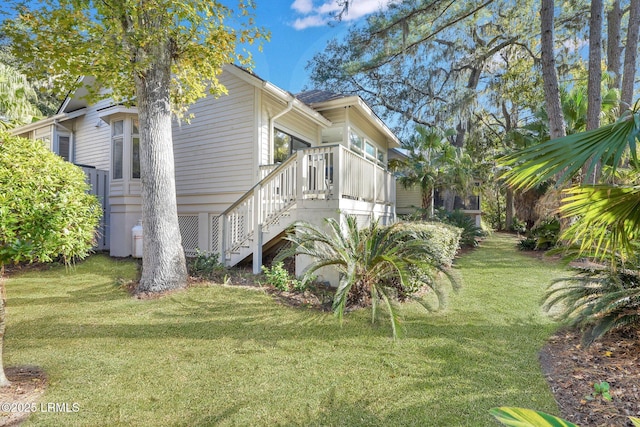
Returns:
point(110, 41)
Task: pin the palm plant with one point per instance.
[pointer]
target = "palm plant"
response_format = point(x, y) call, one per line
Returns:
point(606, 222)
point(374, 262)
point(433, 162)
point(597, 299)
point(609, 218)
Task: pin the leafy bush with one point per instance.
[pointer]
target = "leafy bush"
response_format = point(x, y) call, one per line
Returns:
point(518, 226)
point(442, 239)
point(527, 244)
point(546, 233)
point(597, 300)
point(277, 276)
point(470, 231)
point(45, 210)
point(374, 262)
point(204, 264)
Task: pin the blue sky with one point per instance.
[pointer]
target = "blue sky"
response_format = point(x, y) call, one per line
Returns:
point(299, 29)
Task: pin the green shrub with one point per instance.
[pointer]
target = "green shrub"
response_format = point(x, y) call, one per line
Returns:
point(518, 226)
point(277, 276)
point(443, 240)
point(204, 265)
point(470, 231)
point(546, 234)
point(527, 244)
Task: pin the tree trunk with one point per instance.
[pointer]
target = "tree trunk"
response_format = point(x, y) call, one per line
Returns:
point(163, 262)
point(508, 209)
point(630, 53)
point(551, 91)
point(594, 93)
point(614, 46)
point(3, 324)
point(427, 201)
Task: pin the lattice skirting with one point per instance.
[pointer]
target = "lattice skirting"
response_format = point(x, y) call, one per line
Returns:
point(189, 231)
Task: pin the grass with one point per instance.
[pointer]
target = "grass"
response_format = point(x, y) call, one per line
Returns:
point(233, 357)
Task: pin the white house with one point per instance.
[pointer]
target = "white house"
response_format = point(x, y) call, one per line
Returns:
point(248, 165)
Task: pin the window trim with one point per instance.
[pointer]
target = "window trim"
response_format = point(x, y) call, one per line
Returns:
point(362, 150)
point(126, 151)
point(294, 138)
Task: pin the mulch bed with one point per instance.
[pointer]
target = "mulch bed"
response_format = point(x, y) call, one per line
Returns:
point(572, 370)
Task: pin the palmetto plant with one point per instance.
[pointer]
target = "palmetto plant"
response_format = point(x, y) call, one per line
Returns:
point(373, 262)
point(432, 163)
point(606, 222)
point(608, 214)
point(597, 299)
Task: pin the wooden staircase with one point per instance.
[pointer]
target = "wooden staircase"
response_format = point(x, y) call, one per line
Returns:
point(263, 213)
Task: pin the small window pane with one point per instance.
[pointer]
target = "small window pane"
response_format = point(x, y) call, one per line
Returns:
point(281, 146)
point(117, 157)
point(117, 128)
point(135, 158)
point(135, 127)
point(356, 141)
point(63, 147)
point(370, 149)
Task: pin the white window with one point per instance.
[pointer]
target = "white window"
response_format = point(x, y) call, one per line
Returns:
point(355, 142)
point(367, 149)
point(117, 143)
point(125, 149)
point(135, 151)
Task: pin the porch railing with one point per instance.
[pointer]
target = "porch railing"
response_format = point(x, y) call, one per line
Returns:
point(327, 172)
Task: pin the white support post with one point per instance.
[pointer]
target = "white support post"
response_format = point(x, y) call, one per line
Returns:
point(257, 230)
point(338, 164)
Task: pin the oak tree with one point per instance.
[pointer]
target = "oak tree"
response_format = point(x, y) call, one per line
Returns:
point(161, 55)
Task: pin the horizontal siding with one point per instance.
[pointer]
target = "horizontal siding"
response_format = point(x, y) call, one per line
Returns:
point(407, 199)
point(214, 153)
point(364, 125)
point(335, 116)
point(92, 138)
point(296, 124)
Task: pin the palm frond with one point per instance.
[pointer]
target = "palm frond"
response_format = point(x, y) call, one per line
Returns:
point(565, 157)
point(609, 218)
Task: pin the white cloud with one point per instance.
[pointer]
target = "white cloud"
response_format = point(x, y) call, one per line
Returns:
point(302, 6)
point(310, 21)
point(316, 16)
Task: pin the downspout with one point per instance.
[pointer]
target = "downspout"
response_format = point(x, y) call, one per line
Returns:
point(272, 120)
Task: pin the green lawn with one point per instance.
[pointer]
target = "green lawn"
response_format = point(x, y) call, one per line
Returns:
point(232, 356)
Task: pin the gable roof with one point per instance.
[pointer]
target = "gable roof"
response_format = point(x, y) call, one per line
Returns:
point(321, 100)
